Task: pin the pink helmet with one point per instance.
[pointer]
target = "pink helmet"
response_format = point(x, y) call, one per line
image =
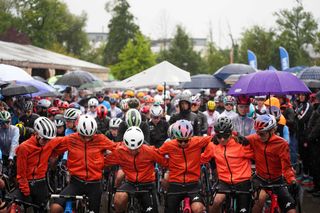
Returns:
point(182, 129)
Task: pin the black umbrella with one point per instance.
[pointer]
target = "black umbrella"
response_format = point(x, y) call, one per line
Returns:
point(12, 90)
point(76, 78)
point(233, 69)
point(203, 81)
point(39, 78)
point(314, 84)
point(51, 94)
point(3, 83)
point(310, 73)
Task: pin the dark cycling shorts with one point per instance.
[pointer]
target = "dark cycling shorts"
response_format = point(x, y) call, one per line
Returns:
point(178, 191)
point(38, 193)
point(92, 189)
point(243, 200)
point(286, 202)
point(148, 201)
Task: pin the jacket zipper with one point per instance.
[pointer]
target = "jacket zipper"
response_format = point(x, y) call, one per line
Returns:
point(265, 156)
point(34, 170)
point(135, 167)
point(85, 159)
point(186, 168)
point(225, 156)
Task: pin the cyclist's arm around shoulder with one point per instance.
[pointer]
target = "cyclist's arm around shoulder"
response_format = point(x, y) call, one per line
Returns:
point(112, 159)
point(59, 145)
point(204, 141)
point(22, 167)
point(157, 157)
point(165, 148)
point(207, 154)
point(247, 151)
point(287, 169)
point(107, 143)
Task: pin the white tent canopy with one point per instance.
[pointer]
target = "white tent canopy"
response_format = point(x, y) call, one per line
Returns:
point(12, 73)
point(163, 72)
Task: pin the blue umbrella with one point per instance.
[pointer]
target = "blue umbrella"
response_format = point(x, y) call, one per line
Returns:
point(310, 73)
point(203, 81)
point(234, 69)
point(268, 82)
point(296, 69)
point(42, 87)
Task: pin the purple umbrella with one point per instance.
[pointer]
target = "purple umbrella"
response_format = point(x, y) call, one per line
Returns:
point(42, 87)
point(268, 82)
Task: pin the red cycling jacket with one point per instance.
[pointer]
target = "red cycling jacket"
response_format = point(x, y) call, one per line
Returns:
point(184, 163)
point(85, 159)
point(232, 160)
point(272, 158)
point(32, 162)
point(137, 168)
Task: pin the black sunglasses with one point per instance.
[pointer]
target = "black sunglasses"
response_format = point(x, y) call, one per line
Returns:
point(183, 140)
point(223, 135)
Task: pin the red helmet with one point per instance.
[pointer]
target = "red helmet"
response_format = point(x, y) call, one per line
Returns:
point(64, 105)
point(243, 100)
point(102, 111)
point(145, 109)
point(53, 111)
point(57, 102)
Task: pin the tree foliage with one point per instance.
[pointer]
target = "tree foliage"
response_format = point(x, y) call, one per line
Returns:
point(297, 27)
point(121, 29)
point(181, 53)
point(263, 43)
point(215, 58)
point(135, 57)
point(47, 23)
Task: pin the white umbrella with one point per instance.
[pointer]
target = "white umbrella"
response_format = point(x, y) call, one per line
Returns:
point(163, 72)
point(12, 73)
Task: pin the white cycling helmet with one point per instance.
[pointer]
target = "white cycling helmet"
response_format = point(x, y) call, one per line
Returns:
point(87, 125)
point(72, 114)
point(115, 122)
point(158, 99)
point(45, 127)
point(133, 138)
point(44, 103)
point(93, 102)
point(156, 110)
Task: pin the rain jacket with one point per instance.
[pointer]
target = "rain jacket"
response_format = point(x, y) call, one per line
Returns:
point(272, 158)
point(32, 162)
point(232, 160)
point(137, 168)
point(85, 159)
point(184, 163)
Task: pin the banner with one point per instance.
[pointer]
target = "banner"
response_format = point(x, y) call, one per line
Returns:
point(284, 58)
point(252, 59)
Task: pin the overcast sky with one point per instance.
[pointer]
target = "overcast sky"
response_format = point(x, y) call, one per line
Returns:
point(158, 18)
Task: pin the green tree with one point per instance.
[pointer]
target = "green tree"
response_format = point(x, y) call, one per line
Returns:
point(297, 27)
point(135, 57)
point(215, 58)
point(6, 16)
point(263, 43)
point(181, 53)
point(121, 29)
point(47, 23)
